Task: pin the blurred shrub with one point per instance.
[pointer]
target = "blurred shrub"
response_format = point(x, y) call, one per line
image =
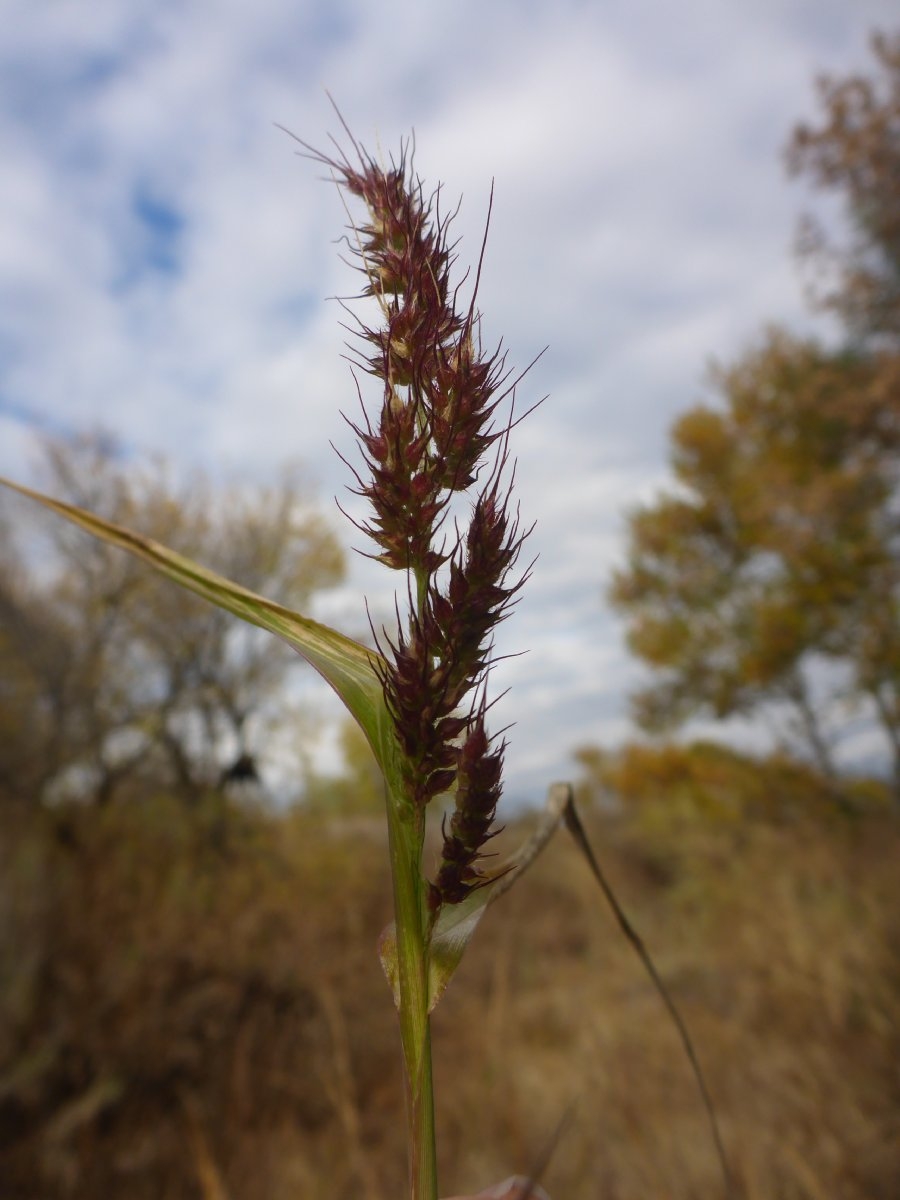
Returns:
point(672, 781)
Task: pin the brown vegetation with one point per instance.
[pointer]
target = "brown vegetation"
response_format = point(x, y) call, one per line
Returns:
point(192, 1007)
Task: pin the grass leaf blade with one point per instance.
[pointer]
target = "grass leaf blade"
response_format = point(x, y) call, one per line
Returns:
point(576, 829)
point(349, 667)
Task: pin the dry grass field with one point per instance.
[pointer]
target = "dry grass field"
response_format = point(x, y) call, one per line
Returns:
point(192, 1009)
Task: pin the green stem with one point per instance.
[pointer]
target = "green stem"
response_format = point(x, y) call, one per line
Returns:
point(406, 824)
point(423, 1148)
point(406, 828)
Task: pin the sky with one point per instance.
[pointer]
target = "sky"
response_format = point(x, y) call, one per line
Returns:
point(167, 262)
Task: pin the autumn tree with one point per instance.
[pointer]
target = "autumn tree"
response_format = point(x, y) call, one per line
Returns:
point(855, 154)
point(667, 783)
point(770, 574)
point(112, 679)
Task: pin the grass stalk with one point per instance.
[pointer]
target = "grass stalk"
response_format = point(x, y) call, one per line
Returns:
point(432, 441)
point(405, 839)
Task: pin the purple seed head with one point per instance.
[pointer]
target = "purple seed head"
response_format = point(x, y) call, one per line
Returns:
point(434, 437)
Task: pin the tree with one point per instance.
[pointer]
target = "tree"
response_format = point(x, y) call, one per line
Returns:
point(778, 553)
point(855, 153)
point(110, 677)
point(668, 783)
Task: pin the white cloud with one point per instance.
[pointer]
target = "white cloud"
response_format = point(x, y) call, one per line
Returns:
point(641, 224)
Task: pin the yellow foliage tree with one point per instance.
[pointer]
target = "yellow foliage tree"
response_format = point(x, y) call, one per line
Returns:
point(777, 553)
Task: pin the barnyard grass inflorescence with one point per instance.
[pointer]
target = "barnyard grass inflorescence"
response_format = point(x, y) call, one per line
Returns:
point(436, 437)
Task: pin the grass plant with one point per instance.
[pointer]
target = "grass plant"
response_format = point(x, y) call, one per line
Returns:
point(436, 475)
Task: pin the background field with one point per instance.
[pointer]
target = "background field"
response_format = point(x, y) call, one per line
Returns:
point(192, 1008)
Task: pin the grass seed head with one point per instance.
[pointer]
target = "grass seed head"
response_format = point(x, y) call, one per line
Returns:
point(436, 436)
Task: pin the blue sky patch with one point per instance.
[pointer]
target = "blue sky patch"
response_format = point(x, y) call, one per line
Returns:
point(161, 229)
